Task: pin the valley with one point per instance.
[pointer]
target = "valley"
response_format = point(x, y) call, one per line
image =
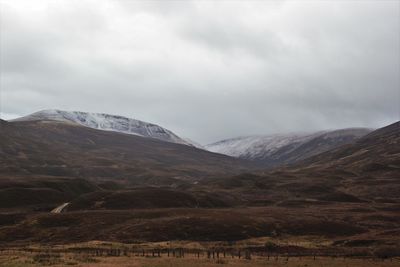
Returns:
point(210, 133)
point(63, 184)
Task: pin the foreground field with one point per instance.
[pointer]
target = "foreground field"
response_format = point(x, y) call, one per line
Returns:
point(201, 254)
point(16, 259)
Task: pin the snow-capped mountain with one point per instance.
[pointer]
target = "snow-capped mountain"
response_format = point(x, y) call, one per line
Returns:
point(285, 148)
point(108, 122)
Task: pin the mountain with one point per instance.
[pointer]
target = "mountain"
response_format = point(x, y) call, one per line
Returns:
point(367, 169)
point(273, 150)
point(364, 171)
point(56, 148)
point(108, 122)
point(376, 151)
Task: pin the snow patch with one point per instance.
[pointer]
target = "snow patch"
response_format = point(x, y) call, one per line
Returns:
point(256, 147)
point(107, 122)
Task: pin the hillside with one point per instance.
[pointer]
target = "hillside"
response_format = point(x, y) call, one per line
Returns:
point(139, 189)
point(377, 151)
point(108, 122)
point(275, 150)
point(63, 149)
point(366, 171)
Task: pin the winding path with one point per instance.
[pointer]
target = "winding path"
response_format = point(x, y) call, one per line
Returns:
point(60, 208)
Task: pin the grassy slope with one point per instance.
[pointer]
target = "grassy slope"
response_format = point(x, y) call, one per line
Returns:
point(338, 196)
point(61, 149)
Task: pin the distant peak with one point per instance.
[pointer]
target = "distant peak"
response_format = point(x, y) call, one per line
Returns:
point(108, 122)
point(278, 149)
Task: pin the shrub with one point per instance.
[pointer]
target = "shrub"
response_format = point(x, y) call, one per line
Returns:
point(386, 252)
point(220, 261)
point(271, 246)
point(47, 259)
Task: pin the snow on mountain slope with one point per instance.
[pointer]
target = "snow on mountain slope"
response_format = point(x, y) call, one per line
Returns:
point(285, 148)
point(108, 122)
point(252, 147)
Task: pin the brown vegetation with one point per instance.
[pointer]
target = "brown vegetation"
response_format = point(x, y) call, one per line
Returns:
point(134, 190)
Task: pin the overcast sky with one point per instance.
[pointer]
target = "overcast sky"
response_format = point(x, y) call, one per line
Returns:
point(205, 70)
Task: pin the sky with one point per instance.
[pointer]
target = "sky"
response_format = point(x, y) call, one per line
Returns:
point(207, 70)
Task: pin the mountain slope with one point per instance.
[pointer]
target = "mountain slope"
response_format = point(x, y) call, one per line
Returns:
point(273, 150)
point(376, 151)
point(108, 122)
point(365, 171)
point(56, 148)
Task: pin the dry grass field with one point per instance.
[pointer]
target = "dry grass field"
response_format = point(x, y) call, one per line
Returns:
point(19, 259)
point(182, 254)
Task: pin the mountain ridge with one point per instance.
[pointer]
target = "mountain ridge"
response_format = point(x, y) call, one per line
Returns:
point(108, 122)
point(278, 149)
point(57, 148)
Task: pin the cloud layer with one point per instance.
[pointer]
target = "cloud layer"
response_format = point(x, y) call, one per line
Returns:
point(206, 70)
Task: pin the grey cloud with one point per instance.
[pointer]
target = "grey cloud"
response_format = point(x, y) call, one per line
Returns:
point(206, 70)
